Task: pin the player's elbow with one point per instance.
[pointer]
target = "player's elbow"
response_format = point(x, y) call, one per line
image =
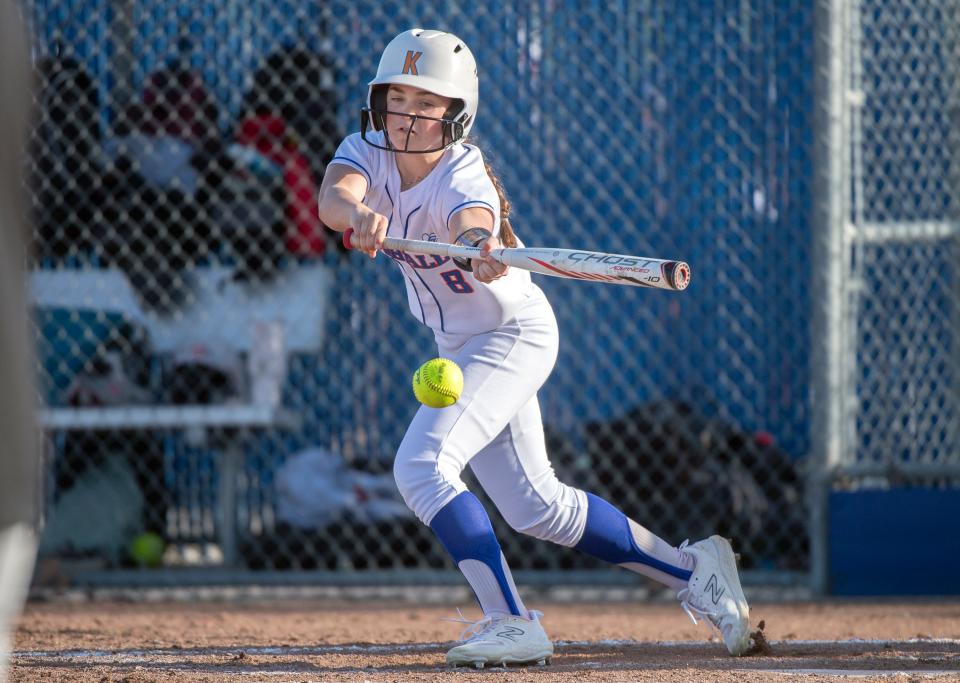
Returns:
point(332, 209)
point(324, 210)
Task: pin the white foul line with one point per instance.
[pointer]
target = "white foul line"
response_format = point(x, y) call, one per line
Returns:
point(387, 648)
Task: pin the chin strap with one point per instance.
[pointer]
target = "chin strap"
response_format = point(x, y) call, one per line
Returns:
point(471, 237)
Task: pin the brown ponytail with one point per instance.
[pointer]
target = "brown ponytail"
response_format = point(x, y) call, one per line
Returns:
point(507, 236)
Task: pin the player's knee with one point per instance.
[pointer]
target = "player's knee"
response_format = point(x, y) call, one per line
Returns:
point(423, 482)
point(559, 521)
point(539, 525)
point(411, 476)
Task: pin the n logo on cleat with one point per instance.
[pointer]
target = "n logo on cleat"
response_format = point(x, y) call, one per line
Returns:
point(713, 587)
point(510, 632)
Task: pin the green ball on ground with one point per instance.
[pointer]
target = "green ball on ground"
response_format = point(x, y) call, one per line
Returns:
point(147, 548)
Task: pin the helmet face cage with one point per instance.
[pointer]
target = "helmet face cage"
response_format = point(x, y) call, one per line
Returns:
point(375, 117)
point(430, 60)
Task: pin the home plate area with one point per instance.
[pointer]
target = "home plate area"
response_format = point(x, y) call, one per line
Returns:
point(326, 641)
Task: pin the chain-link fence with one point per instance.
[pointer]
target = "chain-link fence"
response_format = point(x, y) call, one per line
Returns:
point(906, 68)
point(218, 372)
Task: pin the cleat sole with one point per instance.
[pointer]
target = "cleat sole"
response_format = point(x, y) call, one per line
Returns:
point(542, 661)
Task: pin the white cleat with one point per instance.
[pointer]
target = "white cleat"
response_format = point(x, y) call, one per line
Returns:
point(714, 592)
point(502, 640)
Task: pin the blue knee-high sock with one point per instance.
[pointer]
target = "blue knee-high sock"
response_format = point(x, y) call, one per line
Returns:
point(608, 536)
point(464, 529)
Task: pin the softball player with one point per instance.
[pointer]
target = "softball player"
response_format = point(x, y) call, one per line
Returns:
point(410, 172)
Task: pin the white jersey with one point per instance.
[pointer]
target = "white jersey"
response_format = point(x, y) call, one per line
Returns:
point(447, 299)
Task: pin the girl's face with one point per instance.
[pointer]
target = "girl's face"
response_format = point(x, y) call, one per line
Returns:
point(413, 135)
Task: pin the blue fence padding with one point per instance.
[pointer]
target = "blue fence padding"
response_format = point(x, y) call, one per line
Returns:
point(896, 542)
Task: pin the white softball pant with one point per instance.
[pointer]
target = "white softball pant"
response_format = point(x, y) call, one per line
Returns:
point(495, 427)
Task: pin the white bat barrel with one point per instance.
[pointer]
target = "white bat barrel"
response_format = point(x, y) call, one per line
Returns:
point(591, 266)
point(595, 266)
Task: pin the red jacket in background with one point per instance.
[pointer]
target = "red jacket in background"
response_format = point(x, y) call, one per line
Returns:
point(270, 136)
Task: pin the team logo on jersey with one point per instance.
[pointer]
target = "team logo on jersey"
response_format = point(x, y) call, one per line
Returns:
point(410, 62)
point(429, 236)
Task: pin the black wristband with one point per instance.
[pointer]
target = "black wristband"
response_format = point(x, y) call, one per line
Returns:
point(471, 237)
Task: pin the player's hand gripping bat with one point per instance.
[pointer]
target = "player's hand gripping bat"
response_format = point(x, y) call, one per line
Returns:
point(595, 266)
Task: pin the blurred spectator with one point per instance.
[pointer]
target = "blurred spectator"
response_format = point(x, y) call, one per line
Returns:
point(330, 515)
point(177, 104)
point(296, 86)
point(737, 483)
point(65, 153)
point(163, 161)
point(167, 161)
point(270, 135)
point(249, 210)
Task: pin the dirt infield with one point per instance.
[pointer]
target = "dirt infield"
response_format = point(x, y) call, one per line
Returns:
point(336, 641)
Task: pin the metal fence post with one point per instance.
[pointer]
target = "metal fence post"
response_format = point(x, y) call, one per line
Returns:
point(831, 195)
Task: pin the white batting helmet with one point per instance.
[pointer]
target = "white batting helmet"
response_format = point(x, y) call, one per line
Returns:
point(431, 60)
